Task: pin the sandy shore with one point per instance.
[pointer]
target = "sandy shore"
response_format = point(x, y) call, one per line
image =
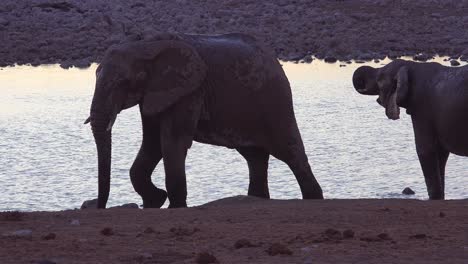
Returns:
point(76, 32)
point(245, 230)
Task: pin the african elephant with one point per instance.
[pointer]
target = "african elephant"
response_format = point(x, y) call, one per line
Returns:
point(436, 97)
point(222, 90)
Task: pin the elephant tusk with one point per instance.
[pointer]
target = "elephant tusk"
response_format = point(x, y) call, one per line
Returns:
point(111, 123)
point(113, 117)
point(87, 120)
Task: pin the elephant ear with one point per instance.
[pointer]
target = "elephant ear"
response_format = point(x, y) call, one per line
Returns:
point(402, 86)
point(173, 70)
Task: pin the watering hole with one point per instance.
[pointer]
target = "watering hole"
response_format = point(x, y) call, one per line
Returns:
point(48, 156)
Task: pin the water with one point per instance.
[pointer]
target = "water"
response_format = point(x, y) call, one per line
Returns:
point(48, 160)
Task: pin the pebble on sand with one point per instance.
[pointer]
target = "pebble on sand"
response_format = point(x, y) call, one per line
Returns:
point(408, 191)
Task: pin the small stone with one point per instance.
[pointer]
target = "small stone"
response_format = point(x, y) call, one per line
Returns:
point(441, 214)
point(66, 65)
point(243, 243)
point(308, 59)
point(278, 249)
point(149, 230)
point(182, 231)
point(422, 57)
point(75, 222)
point(384, 236)
point(408, 191)
point(107, 231)
point(330, 59)
point(22, 234)
point(418, 236)
point(126, 206)
point(205, 258)
point(50, 236)
point(371, 239)
point(348, 234)
point(454, 63)
point(89, 204)
point(333, 234)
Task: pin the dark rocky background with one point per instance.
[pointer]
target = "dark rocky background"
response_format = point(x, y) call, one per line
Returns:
point(77, 32)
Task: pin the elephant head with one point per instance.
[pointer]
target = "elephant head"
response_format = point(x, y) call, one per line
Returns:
point(154, 74)
point(390, 83)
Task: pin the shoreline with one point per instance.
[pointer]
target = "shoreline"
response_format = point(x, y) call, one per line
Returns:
point(76, 33)
point(245, 229)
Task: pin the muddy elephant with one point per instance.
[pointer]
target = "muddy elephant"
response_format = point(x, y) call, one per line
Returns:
point(224, 90)
point(436, 97)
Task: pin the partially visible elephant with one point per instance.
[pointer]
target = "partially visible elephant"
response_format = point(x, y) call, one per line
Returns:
point(436, 97)
point(223, 90)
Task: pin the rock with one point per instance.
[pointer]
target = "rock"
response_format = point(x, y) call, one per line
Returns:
point(50, 236)
point(454, 63)
point(348, 234)
point(408, 191)
point(126, 206)
point(308, 59)
point(278, 249)
point(82, 64)
point(422, 57)
point(371, 239)
point(384, 236)
point(418, 236)
point(205, 258)
point(243, 243)
point(20, 234)
point(66, 65)
point(333, 234)
point(330, 59)
point(89, 204)
point(75, 222)
point(441, 214)
point(182, 231)
point(149, 230)
point(107, 231)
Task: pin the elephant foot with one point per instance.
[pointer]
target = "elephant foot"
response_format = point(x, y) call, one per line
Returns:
point(157, 199)
point(318, 195)
point(436, 197)
point(177, 205)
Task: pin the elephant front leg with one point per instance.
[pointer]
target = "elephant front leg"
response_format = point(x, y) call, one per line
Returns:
point(140, 175)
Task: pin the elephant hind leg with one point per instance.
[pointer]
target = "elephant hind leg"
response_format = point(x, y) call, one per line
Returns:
point(294, 156)
point(257, 160)
point(140, 175)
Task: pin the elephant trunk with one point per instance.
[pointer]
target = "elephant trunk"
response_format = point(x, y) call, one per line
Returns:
point(103, 140)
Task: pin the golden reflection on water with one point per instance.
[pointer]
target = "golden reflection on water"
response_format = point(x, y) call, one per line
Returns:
point(24, 79)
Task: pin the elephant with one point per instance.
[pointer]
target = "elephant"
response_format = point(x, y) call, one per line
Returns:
point(225, 90)
point(436, 98)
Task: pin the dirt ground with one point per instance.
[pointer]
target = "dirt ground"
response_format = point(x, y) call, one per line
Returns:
point(245, 230)
point(77, 32)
